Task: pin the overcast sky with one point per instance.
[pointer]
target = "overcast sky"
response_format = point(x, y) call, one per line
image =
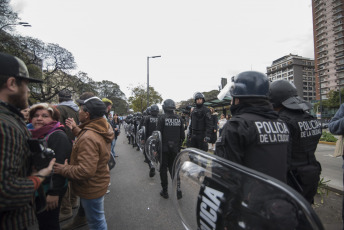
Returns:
point(199, 41)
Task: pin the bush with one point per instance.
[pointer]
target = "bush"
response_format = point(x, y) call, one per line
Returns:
point(328, 137)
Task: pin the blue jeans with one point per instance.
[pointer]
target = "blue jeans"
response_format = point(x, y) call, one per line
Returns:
point(94, 210)
point(113, 143)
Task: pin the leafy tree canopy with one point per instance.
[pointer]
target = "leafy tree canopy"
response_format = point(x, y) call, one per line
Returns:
point(138, 98)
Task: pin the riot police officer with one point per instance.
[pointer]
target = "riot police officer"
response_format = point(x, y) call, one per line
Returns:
point(151, 124)
point(255, 137)
point(171, 127)
point(201, 124)
point(305, 132)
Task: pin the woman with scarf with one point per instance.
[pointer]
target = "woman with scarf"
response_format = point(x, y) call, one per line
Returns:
point(45, 120)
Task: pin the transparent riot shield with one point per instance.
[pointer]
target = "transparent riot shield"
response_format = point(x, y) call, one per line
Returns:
point(132, 134)
point(153, 149)
point(220, 194)
point(141, 135)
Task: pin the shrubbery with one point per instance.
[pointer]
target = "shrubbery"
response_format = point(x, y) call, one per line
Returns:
point(328, 137)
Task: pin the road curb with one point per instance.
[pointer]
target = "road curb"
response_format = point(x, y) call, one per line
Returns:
point(327, 143)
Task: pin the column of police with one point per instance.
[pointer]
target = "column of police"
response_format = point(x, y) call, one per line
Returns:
point(280, 144)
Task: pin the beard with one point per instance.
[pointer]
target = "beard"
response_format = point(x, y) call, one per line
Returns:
point(20, 99)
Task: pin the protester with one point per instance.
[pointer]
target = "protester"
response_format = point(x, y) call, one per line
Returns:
point(68, 109)
point(18, 181)
point(214, 120)
point(88, 168)
point(47, 128)
point(336, 126)
point(25, 113)
point(221, 123)
point(115, 125)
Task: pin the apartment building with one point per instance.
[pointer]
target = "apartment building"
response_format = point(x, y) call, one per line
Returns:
point(328, 45)
point(298, 70)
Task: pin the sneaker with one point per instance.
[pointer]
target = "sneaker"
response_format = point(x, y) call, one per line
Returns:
point(152, 172)
point(108, 191)
point(65, 216)
point(164, 194)
point(179, 194)
point(77, 222)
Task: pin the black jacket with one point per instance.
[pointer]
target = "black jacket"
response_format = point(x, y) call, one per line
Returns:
point(256, 138)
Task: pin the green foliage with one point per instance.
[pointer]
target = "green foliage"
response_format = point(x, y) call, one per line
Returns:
point(328, 137)
point(138, 98)
point(332, 100)
point(322, 188)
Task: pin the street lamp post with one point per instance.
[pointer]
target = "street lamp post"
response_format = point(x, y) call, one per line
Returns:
point(25, 24)
point(148, 77)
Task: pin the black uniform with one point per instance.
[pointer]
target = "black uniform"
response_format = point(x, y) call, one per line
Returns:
point(256, 138)
point(305, 132)
point(200, 127)
point(172, 131)
point(151, 124)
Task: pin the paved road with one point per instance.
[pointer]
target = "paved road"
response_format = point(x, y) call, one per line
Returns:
point(134, 201)
point(331, 166)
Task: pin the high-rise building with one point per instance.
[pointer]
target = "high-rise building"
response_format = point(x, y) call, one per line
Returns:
point(328, 45)
point(298, 70)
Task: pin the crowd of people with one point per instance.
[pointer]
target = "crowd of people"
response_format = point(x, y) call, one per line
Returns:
point(271, 131)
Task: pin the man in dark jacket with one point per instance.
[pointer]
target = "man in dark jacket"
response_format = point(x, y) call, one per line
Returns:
point(255, 137)
point(305, 131)
point(17, 181)
point(172, 131)
point(68, 109)
point(200, 129)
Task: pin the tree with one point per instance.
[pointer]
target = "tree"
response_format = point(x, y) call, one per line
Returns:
point(138, 98)
point(7, 15)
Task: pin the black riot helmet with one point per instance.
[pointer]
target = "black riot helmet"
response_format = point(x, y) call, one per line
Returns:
point(139, 115)
point(148, 110)
point(250, 84)
point(154, 109)
point(284, 93)
point(198, 95)
point(168, 105)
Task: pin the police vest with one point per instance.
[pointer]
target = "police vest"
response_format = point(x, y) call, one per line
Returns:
point(198, 118)
point(172, 126)
point(268, 153)
point(305, 134)
point(151, 124)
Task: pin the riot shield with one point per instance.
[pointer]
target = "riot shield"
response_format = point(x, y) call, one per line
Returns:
point(153, 149)
point(141, 135)
point(220, 194)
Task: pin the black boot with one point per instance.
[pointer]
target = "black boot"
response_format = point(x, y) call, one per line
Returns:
point(164, 193)
point(179, 194)
point(152, 172)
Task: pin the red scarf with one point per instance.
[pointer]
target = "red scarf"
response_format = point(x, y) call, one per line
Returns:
point(48, 128)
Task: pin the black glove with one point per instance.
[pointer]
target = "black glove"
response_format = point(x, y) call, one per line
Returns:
point(207, 139)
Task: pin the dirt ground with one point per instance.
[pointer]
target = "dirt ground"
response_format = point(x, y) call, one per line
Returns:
point(328, 206)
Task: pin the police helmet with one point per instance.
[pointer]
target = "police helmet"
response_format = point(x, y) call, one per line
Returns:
point(148, 110)
point(139, 114)
point(169, 105)
point(199, 95)
point(284, 93)
point(154, 109)
point(250, 84)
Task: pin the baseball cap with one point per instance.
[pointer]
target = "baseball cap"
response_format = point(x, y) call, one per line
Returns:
point(13, 66)
point(94, 105)
point(106, 100)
